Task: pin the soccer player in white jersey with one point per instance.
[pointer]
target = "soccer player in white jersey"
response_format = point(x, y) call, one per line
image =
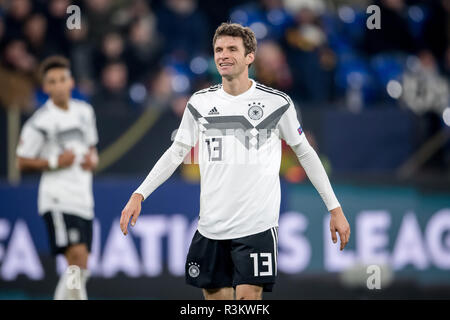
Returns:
point(59, 140)
point(238, 125)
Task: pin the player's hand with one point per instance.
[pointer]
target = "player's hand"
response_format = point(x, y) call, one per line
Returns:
point(90, 161)
point(339, 224)
point(66, 159)
point(131, 210)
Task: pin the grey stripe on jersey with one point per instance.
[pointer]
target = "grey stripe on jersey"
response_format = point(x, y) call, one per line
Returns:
point(194, 112)
point(228, 122)
point(40, 130)
point(33, 119)
point(64, 136)
point(239, 126)
point(271, 121)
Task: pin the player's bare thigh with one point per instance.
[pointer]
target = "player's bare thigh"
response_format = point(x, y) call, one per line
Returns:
point(77, 255)
point(249, 292)
point(226, 293)
point(243, 292)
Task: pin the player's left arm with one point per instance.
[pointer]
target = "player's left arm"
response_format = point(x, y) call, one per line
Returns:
point(291, 131)
point(315, 171)
point(90, 160)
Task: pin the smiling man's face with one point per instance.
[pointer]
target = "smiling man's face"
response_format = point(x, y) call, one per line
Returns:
point(230, 57)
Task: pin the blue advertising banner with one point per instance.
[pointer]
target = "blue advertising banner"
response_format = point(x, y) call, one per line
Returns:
point(398, 231)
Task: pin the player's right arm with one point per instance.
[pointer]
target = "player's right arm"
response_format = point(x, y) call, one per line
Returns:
point(185, 139)
point(63, 160)
point(28, 150)
point(162, 170)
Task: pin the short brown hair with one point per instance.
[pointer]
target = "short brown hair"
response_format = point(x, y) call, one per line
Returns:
point(237, 30)
point(53, 62)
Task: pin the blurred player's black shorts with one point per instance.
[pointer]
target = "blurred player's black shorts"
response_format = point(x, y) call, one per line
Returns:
point(225, 263)
point(65, 230)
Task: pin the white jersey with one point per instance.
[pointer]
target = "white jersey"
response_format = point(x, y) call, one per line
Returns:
point(239, 156)
point(50, 131)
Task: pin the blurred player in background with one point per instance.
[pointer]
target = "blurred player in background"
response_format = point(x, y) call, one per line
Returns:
point(59, 140)
point(233, 254)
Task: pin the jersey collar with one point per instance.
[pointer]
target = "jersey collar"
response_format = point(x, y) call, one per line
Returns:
point(240, 96)
point(52, 105)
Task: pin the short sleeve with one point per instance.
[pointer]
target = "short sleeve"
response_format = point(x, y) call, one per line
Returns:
point(92, 134)
point(31, 141)
point(289, 126)
point(187, 132)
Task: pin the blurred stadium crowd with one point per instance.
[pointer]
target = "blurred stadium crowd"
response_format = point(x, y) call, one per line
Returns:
point(132, 55)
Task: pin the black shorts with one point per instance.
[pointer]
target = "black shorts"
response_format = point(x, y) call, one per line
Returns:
point(67, 229)
point(227, 263)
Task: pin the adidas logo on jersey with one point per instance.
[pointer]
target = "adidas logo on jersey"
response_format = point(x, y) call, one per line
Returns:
point(213, 111)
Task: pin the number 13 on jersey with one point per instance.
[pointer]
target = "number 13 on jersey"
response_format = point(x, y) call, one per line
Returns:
point(214, 149)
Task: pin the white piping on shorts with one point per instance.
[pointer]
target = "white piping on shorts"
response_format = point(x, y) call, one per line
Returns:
point(275, 247)
point(60, 229)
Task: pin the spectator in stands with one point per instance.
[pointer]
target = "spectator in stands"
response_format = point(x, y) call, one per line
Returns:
point(35, 30)
point(2, 27)
point(161, 92)
point(424, 88)
point(56, 19)
point(81, 53)
point(112, 48)
point(271, 67)
point(139, 9)
point(437, 31)
point(268, 18)
point(179, 104)
point(185, 29)
point(310, 58)
point(17, 13)
point(112, 96)
point(447, 62)
point(143, 48)
point(317, 6)
point(17, 76)
point(394, 34)
point(217, 12)
point(99, 14)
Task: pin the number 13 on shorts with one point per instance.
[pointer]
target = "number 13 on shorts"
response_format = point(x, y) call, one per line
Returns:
point(264, 260)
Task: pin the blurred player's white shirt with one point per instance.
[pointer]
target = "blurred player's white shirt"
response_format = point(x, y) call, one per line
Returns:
point(50, 131)
point(239, 156)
